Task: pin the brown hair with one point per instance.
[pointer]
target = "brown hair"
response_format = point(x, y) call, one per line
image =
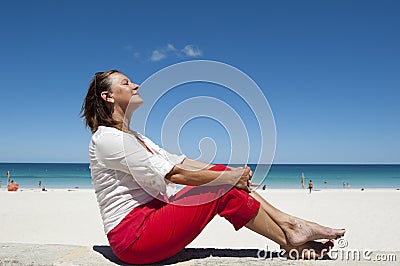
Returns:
point(95, 110)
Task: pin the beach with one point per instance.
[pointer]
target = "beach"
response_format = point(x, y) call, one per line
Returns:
point(71, 217)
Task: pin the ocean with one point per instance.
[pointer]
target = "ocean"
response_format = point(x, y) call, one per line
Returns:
point(324, 176)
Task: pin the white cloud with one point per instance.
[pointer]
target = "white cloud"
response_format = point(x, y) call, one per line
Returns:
point(191, 51)
point(157, 55)
point(170, 50)
point(170, 47)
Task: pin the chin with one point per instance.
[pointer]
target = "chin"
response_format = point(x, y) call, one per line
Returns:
point(136, 100)
point(135, 104)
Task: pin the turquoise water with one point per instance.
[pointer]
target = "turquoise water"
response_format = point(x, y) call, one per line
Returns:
point(52, 175)
point(332, 176)
point(72, 175)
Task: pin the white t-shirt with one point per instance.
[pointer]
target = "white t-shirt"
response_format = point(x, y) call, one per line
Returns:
point(125, 174)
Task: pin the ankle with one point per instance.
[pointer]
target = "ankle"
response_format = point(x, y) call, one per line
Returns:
point(291, 223)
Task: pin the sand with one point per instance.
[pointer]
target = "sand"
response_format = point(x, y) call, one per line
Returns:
point(51, 217)
point(67, 217)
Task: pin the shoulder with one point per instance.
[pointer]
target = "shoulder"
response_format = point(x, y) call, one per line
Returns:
point(111, 137)
point(112, 144)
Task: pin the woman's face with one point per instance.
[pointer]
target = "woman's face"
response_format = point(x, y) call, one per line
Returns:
point(123, 91)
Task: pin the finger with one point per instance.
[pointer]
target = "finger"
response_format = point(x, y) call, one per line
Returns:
point(249, 184)
point(247, 169)
point(245, 188)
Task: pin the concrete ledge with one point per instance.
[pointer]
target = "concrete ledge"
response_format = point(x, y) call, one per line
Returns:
point(34, 254)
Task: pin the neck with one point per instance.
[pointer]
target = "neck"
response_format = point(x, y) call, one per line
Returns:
point(125, 119)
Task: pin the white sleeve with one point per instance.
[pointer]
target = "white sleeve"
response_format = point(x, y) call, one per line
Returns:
point(174, 158)
point(123, 152)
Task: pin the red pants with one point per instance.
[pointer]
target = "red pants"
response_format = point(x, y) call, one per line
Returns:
point(169, 228)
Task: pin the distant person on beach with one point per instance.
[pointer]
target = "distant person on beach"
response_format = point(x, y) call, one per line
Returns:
point(310, 185)
point(12, 186)
point(302, 180)
point(145, 220)
point(8, 177)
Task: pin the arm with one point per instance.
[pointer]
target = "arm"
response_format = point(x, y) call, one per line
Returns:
point(189, 175)
point(196, 164)
point(201, 165)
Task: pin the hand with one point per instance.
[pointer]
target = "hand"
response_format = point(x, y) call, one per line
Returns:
point(240, 167)
point(242, 177)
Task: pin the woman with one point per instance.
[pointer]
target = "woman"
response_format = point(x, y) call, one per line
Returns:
point(144, 220)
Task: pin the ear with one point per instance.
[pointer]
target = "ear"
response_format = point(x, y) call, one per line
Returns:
point(107, 96)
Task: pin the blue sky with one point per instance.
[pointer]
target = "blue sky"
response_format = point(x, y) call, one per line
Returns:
point(329, 69)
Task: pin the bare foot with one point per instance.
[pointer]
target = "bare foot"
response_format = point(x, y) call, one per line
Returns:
point(308, 251)
point(299, 231)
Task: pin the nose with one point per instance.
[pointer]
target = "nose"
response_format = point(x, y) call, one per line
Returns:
point(135, 86)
